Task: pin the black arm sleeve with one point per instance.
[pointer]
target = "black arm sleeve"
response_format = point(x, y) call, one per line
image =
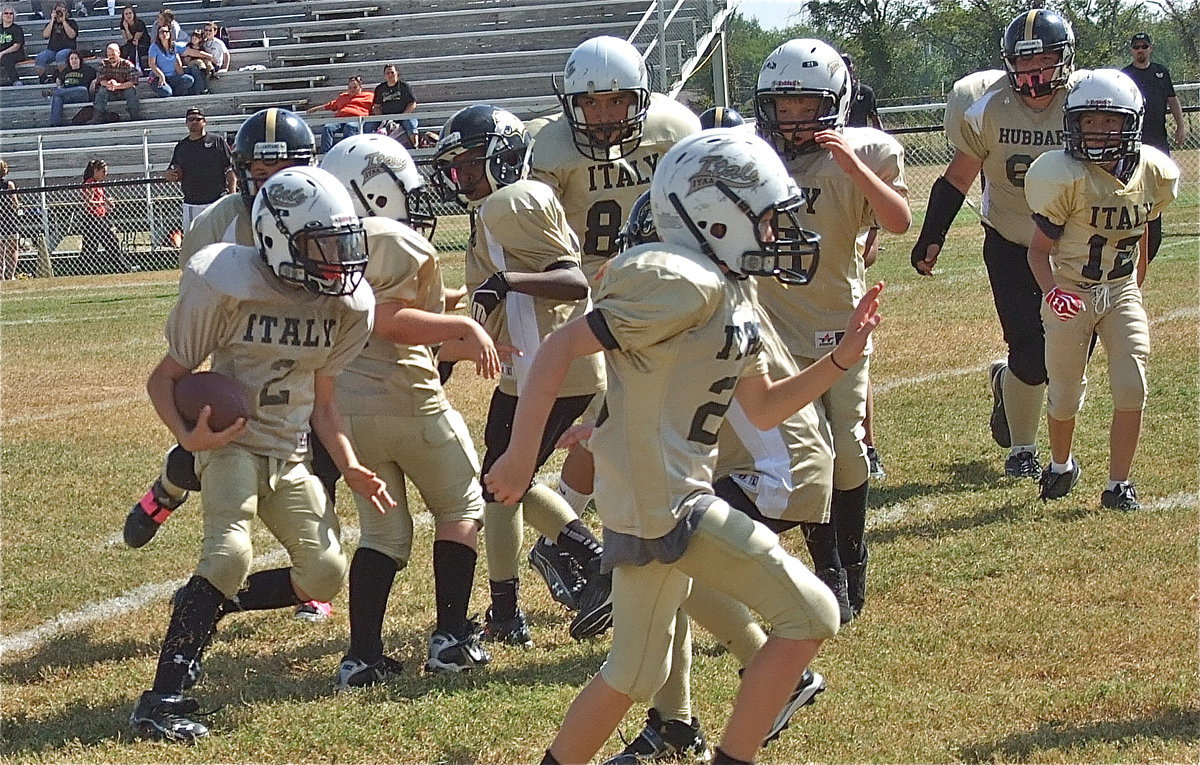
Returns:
point(1052, 230)
point(944, 203)
point(600, 329)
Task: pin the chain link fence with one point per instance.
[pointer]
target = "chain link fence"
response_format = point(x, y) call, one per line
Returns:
point(56, 233)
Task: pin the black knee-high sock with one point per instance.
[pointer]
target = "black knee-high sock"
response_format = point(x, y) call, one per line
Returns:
point(821, 539)
point(720, 758)
point(193, 619)
point(371, 577)
point(265, 590)
point(579, 542)
point(453, 573)
point(849, 517)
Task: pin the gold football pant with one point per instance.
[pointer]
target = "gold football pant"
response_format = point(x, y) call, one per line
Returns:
point(435, 452)
point(730, 554)
point(1120, 320)
point(288, 498)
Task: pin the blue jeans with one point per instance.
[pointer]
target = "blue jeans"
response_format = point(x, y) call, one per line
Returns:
point(130, 96)
point(74, 95)
point(348, 129)
point(45, 57)
point(176, 84)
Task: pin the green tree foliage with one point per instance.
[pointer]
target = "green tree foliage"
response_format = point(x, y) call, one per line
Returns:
point(913, 50)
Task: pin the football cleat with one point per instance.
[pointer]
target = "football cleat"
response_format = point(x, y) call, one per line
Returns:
point(314, 611)
point(1124, 497)
point(355, 673)
point(664, 740)
point(875, 469)
point(448, 653)
point(165, 716)
point(151, 512)
point(560, 571)
point(595, 604)
point(1058, 485)
point(835, 579)
point(513, 630)
point(1022, 465)
point(999, 420)
point(811, 683)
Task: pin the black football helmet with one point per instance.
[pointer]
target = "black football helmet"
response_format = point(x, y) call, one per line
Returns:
point(270, 134)
point(505, 148)
point(1033, 32)
point(639, 226)
point(720, 117)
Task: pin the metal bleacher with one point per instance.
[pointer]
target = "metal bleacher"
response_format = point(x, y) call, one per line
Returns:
point(452, 53)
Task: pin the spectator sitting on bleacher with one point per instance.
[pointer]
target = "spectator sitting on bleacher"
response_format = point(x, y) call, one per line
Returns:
point(75, 86)
point(355, 102)
point(117, 79)
point(216, 47)
point(61, 32)
point(194, 55)
point(12, 46)
point(169, 77)
point(136, 36)
point(166, 18)
point(394, 97)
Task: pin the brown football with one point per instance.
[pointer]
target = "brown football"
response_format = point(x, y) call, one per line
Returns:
point(224, 394)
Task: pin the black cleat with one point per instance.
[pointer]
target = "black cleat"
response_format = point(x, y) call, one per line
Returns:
point(1022, 465)
point(1124, 497)
point(448, 653)
point(999, 420)
point(151, 512)
point(355, 673)
point(560, 571)
point(1058, 485)
point(595, 604)
point(165, 716)
point(514, 630)
point(664, 740)
point(811, 683)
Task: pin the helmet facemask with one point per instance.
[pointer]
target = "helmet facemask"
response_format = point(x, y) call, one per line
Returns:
point(782, 248)
point(325, 259)
point(781, 132)
point(1102, 145)
point(609, 140)
point(1041, 81)
point(505, 160)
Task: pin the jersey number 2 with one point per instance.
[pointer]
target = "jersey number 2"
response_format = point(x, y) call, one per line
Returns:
point(266, 396)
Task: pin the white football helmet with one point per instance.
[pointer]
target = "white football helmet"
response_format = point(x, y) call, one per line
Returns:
point(308, 231)
point(1103, 90)
point(382, 179)
point(605, 65)
point(803, 67)
point(727, 192)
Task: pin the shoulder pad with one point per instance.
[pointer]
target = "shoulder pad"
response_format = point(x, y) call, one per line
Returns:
point(232, 270)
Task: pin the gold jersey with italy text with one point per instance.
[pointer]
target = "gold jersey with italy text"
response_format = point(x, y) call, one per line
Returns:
point(226, 220)
point(522, 228)
point(786, 471)
point(598, 196)
point(678, 335)
point(1005, 135)
point(390, 378)
point(810, 319)
point(270, 336)
point(1102, 217)
point(965, 92)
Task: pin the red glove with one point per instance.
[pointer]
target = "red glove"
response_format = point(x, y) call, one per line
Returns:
point(1065, 305)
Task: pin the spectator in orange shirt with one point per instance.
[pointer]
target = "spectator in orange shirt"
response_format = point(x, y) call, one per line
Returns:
point(355, 102)
point(97, 227)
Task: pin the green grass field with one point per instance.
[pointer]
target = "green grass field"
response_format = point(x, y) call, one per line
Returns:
point(998, 628)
